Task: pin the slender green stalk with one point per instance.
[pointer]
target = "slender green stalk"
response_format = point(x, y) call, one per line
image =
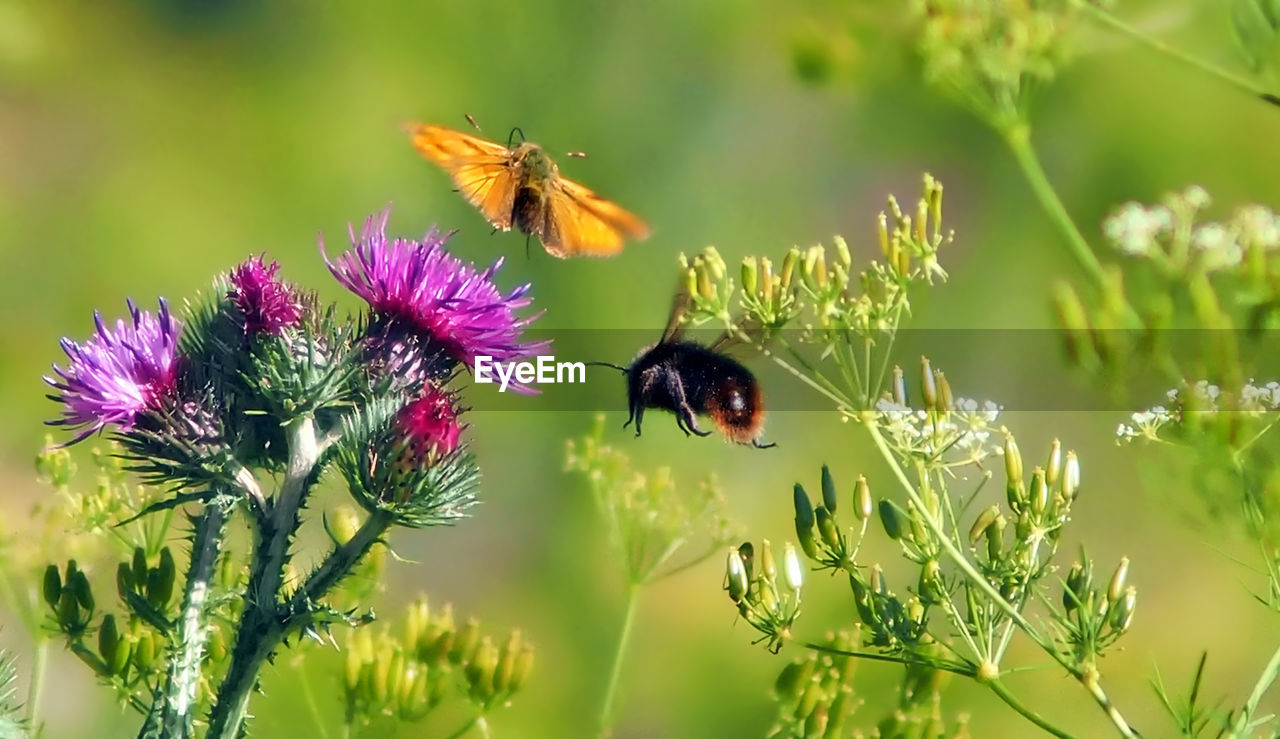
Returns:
point(615, 672)
point(177, 701)
point(1243, 84)
point(953, 553)
point(309, 696)
point(1018, 137)
point(39, 660)
point(1012, 701)
point(1265, 681)
point(476, 721)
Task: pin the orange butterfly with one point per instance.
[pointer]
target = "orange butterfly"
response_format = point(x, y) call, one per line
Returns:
point(522, 187)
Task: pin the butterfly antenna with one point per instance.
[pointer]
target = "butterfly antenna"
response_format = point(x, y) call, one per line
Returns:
point(512, 138)
point(620, 368)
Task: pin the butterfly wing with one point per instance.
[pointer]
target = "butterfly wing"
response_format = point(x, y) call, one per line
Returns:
point(485, 172)
point(580, 223)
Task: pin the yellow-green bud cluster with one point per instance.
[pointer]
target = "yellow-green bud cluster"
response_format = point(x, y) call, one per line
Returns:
point(815, 692)
point(770, 606)
point(1097, 616)
point(409, 676)
point(819, 531)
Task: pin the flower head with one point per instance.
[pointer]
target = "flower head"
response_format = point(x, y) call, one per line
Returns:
point(429, 425)
point(118, 372)
point(268, 305)
point(455, 307)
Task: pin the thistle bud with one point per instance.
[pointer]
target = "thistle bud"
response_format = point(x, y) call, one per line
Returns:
point(750, 275)
point(890, 519)
point(792, 571)
point(51, 588)
point(863, 505)
point(1053, 468)
point(828, 490)
point(805, 522)
point(1071, 477)
point(1117, 586)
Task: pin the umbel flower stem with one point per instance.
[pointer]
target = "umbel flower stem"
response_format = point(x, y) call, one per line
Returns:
point(619, 654)
point(177, 716)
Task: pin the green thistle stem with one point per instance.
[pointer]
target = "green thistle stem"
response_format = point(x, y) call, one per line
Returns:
point(615, 672)
point(1243, 84)
point(1018, 137)
point(177, 718)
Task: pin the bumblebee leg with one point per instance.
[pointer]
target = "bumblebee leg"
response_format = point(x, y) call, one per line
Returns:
point(756, 443)
point(686, 419)
point(637, 413)
point(527, 254)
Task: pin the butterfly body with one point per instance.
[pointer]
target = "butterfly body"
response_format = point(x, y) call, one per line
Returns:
point(521, 186)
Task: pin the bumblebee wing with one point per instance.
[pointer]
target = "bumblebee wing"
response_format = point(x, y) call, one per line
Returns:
point(747, 337)
point(484, 172)
point(580, 223)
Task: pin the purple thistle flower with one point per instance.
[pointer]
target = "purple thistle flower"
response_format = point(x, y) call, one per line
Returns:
point(118, 373)
point(456, 307)
point(268, 305)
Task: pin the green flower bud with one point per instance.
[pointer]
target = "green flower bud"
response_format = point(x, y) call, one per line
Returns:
point(217, 644)
point(928, 390)
point(899, 387)
point(1053, 468)
point(1077, 587)
point(411, 701)
point(789, 263)
point(767, 597)
point(415, 623)
point(506, 663)
point(768, 566)
point(465, 644)
point(52, 586)
point(119, 662)
point(735, 576)
point(828, 531)
point(124, 581)
point(523, 666)
point(480, 669)
point(891, 519)
point(863, 505)
point(140, 567)
point(1014, 486)
point(78, 583)
point(355, 660)
point(862, 600)
point(882, 231)
point(982, 523)
point(828, 490)
point(380, 683)
point(792, 679)
point(843, 256)
point(930, 585)
point(878, 585)
point(691, 281)
point(836, 714)
point(919, 535)
point(108, 640)
point(767, 281)
point(1122, 616)
point(792, 571)
point(995, 538)
point(946, 399)
point(809, 699)
point(144, 652)
point(1071, 477)
point(1116, 588)
point(750, 275)
point(805, 522)
point(160, 581)
point(1039, 492)
point(816, 724)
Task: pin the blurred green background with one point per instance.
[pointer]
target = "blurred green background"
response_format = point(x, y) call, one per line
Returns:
point(146, 146)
